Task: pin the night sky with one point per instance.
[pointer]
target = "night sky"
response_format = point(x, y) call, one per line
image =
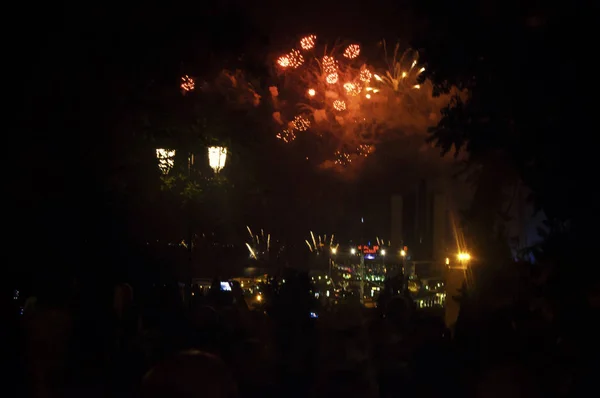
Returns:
point(78, 73)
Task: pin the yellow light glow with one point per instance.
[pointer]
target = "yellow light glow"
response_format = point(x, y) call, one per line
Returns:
point(402, 253)
point(464, 256)
point(166, 159)
point(217, 155)
point(311, 92)
point(368, 96)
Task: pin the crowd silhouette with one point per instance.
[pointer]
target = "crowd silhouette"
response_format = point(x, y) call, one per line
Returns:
point(152, 342)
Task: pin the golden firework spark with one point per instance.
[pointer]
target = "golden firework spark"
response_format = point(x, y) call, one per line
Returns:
point(352, 89)
point(400, 76)
point(365, 75)
point(308, 42)
point(187, 83)
point(296, 59)
point(283, 61)
point(332, 78)
point(352, 51)
point(365, 150)
point(342, 158)
point(286, 135)
point(355, 100)
point(339, 105)
point(301, 123)
point(329, 64)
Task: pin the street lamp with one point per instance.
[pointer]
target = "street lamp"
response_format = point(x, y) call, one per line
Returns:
point(353, 251)
point(333, 253)
point(166, 159)
point(404, 273)
point(464, 257)
point(217, 155)
point(383, 252)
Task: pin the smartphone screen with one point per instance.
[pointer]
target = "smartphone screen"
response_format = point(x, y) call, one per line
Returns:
point(225, 286)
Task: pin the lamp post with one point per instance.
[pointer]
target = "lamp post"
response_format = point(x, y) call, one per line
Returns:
point(217, 155)
point(455, 278)
point(404, 273)
point(464, 258)
point(333, 253)
point(166, 159)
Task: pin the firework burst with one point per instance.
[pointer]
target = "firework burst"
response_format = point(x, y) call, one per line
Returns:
point(352, 51)
point(259, 245)
point(351, 104)
point(283, 61)
point(342, 158)
point(286, 135)
point(364, 150)
point(308, 42)
point(321, 243)
point(301, 123)
point(187, 83)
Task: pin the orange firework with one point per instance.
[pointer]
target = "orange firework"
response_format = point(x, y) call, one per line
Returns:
point(365, 75)
point(339, 105)
point(352, 51)
point(283, 61)
point(342, 158)
point(296, 59)
point(187, 83)
point(352, 89)
point(355, 101)
point(365, 150)
point(301, 123)
point(286, 135)
point(308, 42)
point(329, 65)
point(332, 78)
